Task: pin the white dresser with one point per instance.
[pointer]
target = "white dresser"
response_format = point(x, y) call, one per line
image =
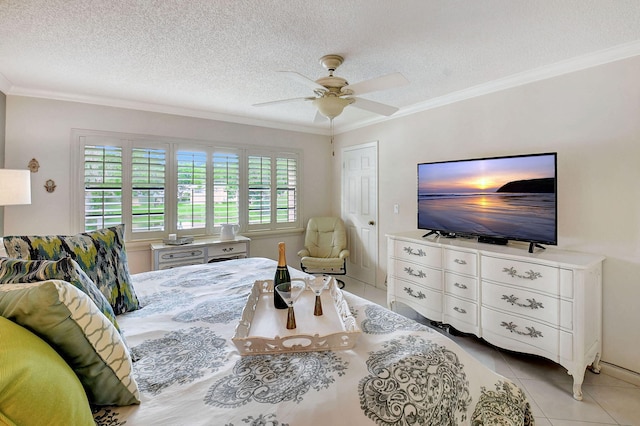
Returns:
point(166, 256)
point(547, 303)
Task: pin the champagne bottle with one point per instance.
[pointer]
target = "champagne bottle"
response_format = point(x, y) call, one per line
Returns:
point(282, 276)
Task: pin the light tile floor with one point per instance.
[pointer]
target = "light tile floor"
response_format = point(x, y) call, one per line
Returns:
point(606, 400)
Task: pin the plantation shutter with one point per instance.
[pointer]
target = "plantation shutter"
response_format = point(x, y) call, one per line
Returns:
point(192, 190)
point(102, 186)
point(226, 188)
point(148, 169)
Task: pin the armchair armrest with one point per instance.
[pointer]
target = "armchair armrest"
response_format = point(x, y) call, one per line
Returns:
point(303, 253)
point(344, 254)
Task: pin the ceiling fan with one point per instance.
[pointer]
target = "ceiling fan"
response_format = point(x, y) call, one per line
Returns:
point(333, 93)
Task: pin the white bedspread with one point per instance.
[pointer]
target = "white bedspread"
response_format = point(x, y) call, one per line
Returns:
point(190, 372)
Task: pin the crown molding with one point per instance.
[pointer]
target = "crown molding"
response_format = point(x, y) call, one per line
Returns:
point(5, 84)
point(160, 108)
point(613, 54)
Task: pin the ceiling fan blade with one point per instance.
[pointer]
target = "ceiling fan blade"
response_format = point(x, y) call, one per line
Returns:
point(384, 82)
point(319, 118)
point(304, 80)
point(377, 107)
point(283, 101)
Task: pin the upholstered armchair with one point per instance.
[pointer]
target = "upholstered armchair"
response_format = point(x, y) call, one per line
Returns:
point(325, 247)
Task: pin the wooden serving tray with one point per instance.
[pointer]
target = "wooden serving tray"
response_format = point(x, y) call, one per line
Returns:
point(262, 327)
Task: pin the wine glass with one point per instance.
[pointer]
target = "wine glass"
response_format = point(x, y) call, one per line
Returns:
point(290, 292)
point(317, 283)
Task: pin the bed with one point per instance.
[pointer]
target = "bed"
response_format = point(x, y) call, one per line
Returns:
point(189, 372)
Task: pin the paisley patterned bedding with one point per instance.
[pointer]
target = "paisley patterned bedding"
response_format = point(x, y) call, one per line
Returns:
point(190, 373)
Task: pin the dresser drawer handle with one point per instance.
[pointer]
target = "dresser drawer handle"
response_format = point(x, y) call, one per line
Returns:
point(227, 249)
point(461, 286)
point(411, 272)
point(418, 252)
point(460, 261)
point(528, 275)
point(462, 311)
point(514, 301)
point(409, 291)
point(531, 332)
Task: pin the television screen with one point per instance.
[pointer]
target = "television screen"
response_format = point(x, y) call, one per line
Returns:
point(502, 198)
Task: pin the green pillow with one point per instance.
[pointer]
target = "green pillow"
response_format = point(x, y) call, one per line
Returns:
point(101, 254)
point(36, 386)
point(14, 271)
point(71, 323)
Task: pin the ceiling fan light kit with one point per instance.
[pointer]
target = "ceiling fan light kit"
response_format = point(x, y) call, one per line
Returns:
point(333, 93)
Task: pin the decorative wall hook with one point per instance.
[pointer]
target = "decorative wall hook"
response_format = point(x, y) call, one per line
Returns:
point(50, 185)
point(34, 165)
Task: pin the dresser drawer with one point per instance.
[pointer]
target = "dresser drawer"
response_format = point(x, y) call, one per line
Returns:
point(462, 310)
point(171, 265)
point(418, 274)
point(182, 255)
point(422, 299)
point(531, 275)
point(461, 261)
point(423, 254)
point(226, 249)
point(522, 302)
point(524, 332)
point(461, 285)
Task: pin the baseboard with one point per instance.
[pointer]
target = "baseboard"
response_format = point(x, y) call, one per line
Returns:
point(620, 373)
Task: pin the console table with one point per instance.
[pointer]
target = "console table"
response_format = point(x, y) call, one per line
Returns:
point(547, 303)
point(207, 250)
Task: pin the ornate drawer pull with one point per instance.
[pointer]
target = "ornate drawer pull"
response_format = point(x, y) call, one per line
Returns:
point(418, 252)
point(462, 311)
point(460, 261)
point(528, 275)
point(227, 249)
point(531, 332)
point(418, 274)
point(461, 286)
point(514, 301)
point(409, 291)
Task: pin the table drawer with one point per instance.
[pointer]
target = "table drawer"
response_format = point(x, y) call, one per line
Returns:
point(461, 285)
point(227, 249)
point(522, 302)
point(186, 255)
point(423, 254)
point(418, 274)
point(461, 261)
point(524, 331)
point(531, 275)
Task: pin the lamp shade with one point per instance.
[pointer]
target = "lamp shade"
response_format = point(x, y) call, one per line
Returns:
point(331, 106)
point(15, 187)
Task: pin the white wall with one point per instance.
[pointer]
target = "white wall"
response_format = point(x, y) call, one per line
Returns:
point(591, 118)
point(41, 129)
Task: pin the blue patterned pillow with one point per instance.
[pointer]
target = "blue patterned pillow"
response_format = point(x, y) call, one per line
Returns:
point(15, 271)
point(101, 254)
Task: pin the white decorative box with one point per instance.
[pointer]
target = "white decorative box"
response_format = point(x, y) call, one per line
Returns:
point(262, 328)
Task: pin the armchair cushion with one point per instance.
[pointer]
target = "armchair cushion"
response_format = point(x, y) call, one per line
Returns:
point(326, 237)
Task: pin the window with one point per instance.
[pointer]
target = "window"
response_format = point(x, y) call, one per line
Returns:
point(157, 186)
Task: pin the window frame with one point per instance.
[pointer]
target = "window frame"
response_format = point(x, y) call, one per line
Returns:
point(82, 138)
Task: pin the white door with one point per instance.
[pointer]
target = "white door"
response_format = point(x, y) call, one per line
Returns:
point(360, 209)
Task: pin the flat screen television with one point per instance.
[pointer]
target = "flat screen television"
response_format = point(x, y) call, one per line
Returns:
point(494, 199)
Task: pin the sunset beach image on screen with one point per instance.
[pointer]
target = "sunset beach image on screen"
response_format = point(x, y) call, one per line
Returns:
point(506, 197)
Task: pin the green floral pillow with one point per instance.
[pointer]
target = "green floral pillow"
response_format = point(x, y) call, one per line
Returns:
point(101, 254)
point(15, 271)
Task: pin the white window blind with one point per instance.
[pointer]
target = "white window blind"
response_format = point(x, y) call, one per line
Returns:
point(286, 190)
point(226, 188)
point(102, 186)
point(192, 190)
point(259, 194)
point(148, 168)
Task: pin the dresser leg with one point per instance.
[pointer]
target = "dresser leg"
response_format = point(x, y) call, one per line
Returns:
point(595, 367)
point(577, 390)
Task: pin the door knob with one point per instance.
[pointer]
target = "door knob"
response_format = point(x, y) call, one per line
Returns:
point(371, 223)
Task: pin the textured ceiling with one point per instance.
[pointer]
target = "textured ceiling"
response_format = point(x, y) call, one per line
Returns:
point(216, 58)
